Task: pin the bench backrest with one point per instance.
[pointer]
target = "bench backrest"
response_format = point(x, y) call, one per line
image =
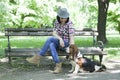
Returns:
point(44, 32)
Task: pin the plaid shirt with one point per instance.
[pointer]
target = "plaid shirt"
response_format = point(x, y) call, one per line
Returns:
point(64, 31)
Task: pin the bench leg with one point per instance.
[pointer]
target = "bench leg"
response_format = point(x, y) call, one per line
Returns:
point(100, 58)
point(93, 57)
point(9, 58)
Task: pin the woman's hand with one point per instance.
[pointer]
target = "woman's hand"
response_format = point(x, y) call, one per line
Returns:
point(62, 43)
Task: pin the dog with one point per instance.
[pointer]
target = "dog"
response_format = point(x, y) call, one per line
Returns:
point(80, 63)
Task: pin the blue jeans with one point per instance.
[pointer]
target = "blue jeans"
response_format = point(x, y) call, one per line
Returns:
point(53, 44)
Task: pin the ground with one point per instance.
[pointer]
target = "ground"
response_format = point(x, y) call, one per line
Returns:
point(21, 70)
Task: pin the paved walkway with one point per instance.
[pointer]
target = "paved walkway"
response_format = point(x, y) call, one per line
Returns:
point(30, 72)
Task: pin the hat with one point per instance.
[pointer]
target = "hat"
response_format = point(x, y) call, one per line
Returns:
point(62, 13)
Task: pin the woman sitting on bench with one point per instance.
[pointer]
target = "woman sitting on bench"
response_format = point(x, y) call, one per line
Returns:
point(62, 38)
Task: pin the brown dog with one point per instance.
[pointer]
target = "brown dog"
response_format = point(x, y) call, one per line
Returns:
point(73, 51)
point(81, 63)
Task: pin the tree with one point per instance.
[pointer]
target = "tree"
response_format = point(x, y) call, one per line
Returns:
point(102, 16)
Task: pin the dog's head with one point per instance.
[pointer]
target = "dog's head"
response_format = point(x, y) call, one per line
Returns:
point(72, 50)
point(80, 62)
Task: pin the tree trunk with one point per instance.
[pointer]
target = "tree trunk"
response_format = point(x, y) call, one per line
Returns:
point(102, 16)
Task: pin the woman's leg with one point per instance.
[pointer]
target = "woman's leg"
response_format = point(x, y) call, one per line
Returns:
point(47, 45)
point(58, 67)
point(54, 52)
point(53, 46)
point(36, 58)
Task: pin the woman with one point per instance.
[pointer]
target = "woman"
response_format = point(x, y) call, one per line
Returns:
point(62, 38)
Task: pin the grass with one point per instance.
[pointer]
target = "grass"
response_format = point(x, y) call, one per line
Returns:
point(113, 42)
point(1, 52)
point(38, 42)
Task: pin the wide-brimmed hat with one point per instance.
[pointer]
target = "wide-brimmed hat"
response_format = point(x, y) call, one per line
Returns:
point(63, 13)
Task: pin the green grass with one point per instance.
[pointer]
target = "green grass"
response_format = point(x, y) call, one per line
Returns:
point(113, 42)
point(23, 42)
point(1, 52)
point(38, 42)
point(84, 41)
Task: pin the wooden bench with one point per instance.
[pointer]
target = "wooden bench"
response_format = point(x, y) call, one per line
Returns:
point(26, 52)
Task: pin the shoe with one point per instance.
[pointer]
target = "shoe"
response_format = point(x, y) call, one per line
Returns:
point(58, 68)
point(34, 59)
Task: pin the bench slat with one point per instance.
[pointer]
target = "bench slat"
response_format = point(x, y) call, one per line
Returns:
point(28, 29)
point(27, 52)
point(44, 32)
point(31, 51)
point(29, 34)
point(82, 33)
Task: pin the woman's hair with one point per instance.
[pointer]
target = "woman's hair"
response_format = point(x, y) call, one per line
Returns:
point(58, 18)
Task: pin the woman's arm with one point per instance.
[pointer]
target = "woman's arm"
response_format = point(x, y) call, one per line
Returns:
point(58, 37)
point(72, 39)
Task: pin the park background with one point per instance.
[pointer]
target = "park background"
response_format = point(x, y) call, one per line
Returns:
point(41, 14)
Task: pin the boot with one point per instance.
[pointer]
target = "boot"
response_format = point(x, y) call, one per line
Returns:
point(34, 60)
point(58, 68)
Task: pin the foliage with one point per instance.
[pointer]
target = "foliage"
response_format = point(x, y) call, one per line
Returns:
point(41, 13)
point(114, 17)
point(92, 21)
point(3, 14)
point(32, 13)
point(44, 13)
point(78, 12)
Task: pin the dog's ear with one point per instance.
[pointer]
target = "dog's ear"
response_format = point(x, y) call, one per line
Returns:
point(73, 50)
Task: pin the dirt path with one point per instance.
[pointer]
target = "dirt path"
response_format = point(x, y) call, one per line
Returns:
point(31, 72)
